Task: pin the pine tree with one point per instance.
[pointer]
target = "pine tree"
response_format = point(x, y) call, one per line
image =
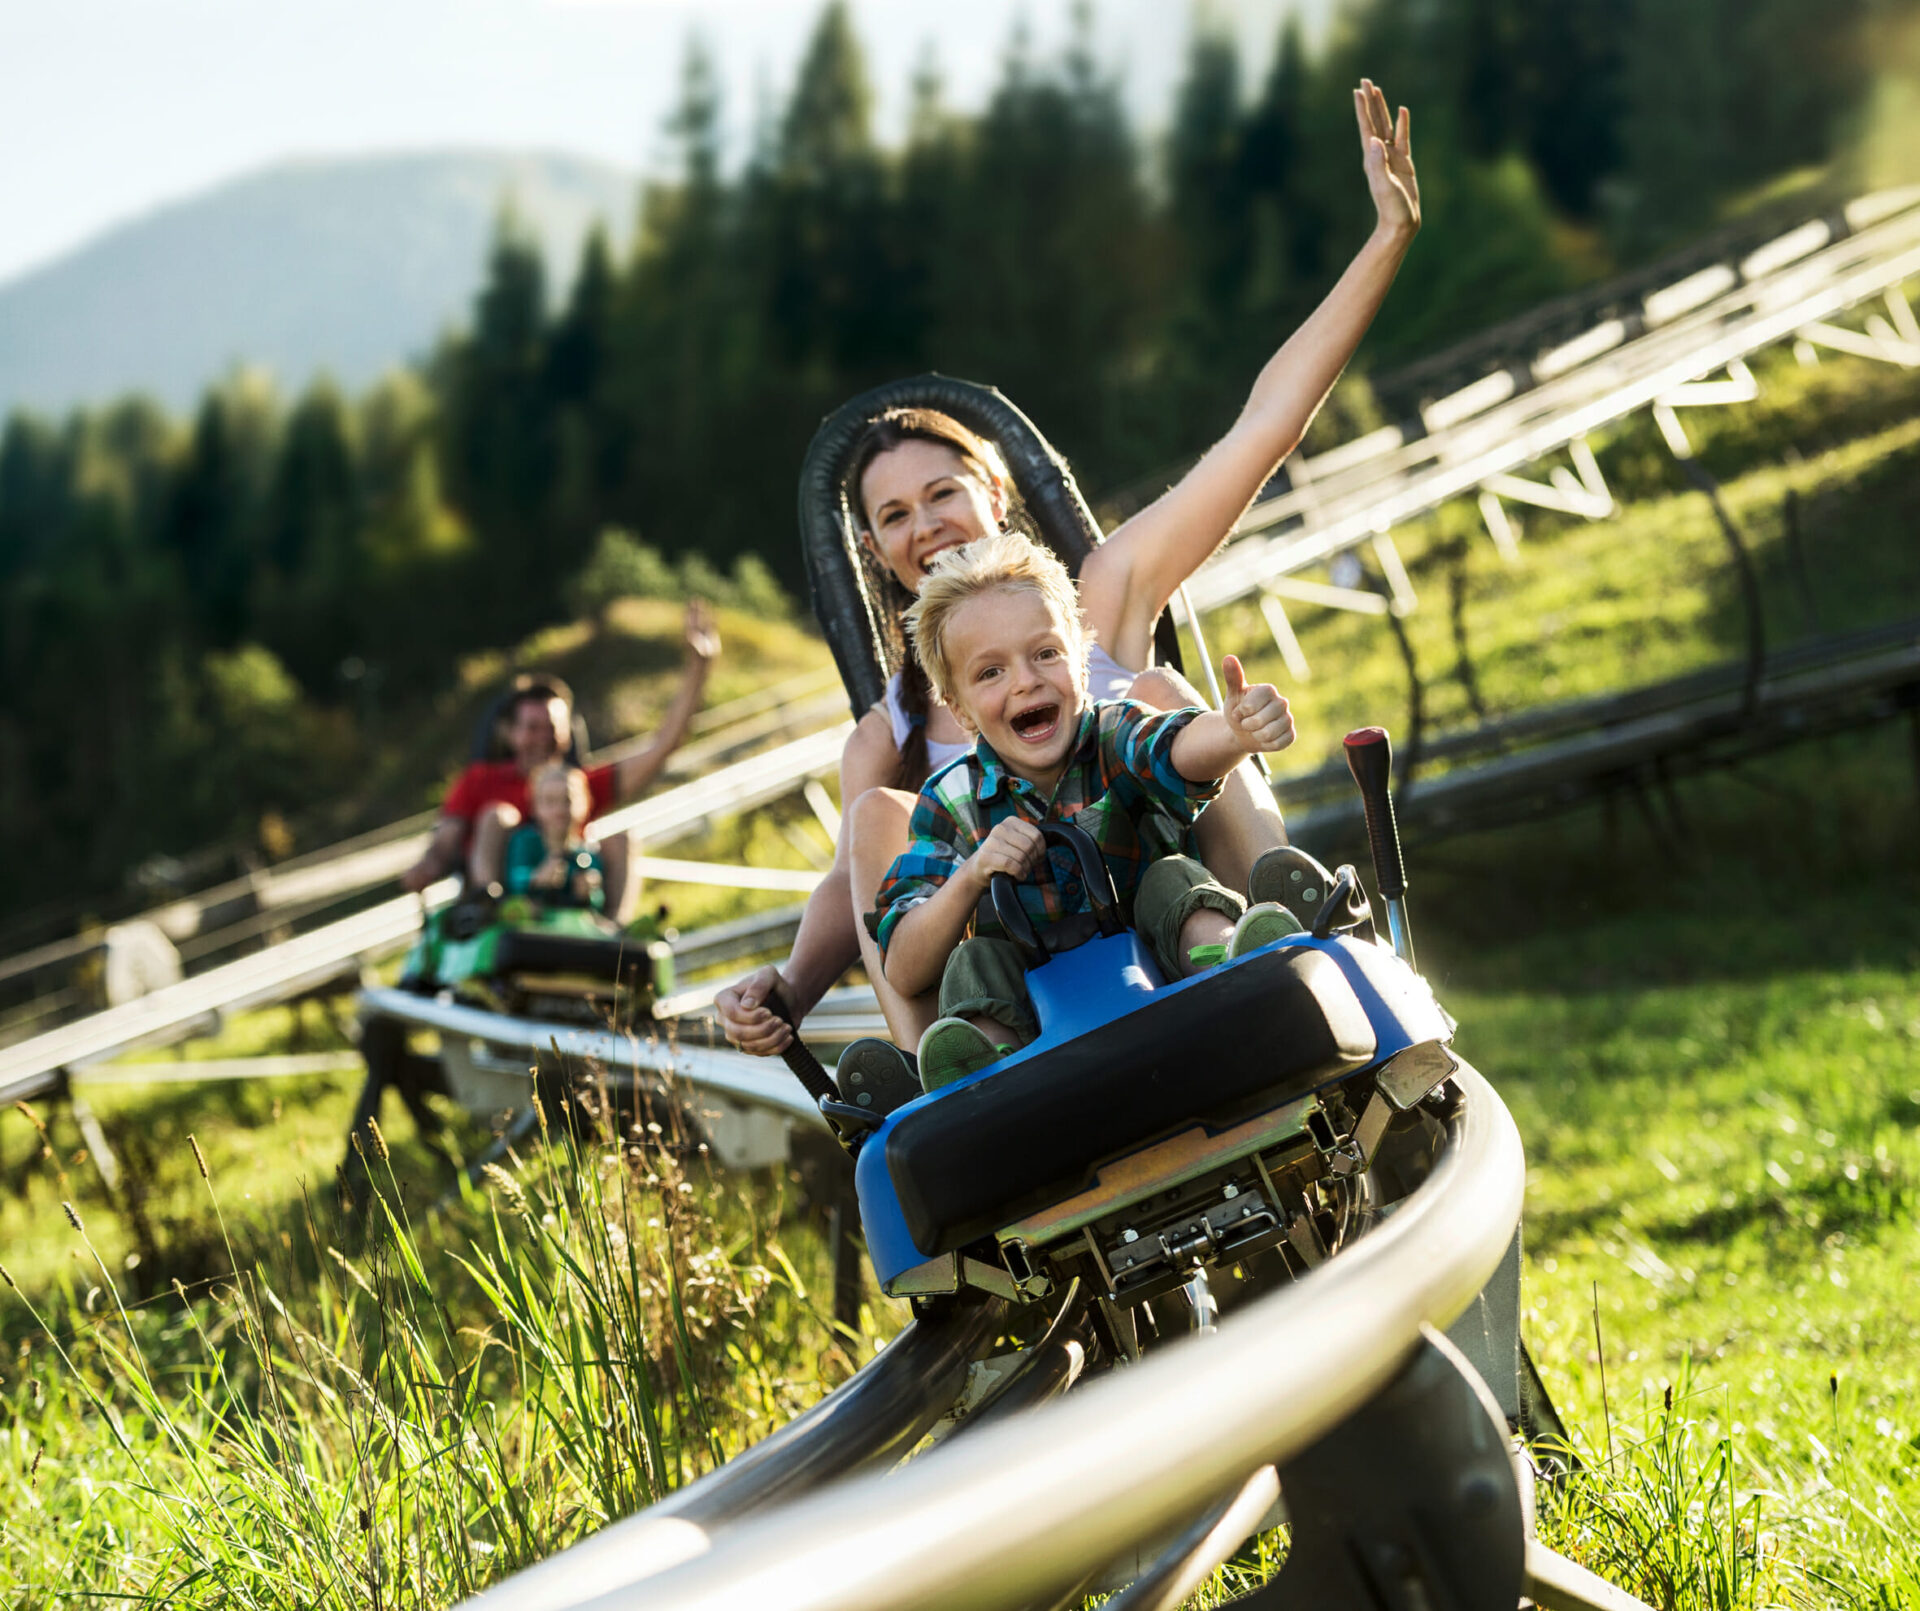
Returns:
point(306, 595)
point(499, 436)
point(213, 523)
point(1051, 263)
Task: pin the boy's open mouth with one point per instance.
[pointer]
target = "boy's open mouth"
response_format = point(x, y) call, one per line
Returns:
point(1036, 725)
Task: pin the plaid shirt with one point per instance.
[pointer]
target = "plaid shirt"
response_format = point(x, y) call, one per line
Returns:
point(1119, 785)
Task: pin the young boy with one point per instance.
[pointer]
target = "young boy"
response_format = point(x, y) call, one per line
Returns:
point(997, 628)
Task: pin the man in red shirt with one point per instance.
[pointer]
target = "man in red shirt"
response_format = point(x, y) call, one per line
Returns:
point(489, 799)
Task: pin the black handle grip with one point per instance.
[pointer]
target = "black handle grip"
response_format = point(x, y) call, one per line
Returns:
point(807, 1068)
point(1370, 759)
point(1095, 876)
point(1012, 917)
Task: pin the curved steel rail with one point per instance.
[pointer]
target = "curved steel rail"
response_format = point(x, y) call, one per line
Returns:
point(751, 1080)
point(1063, 1491)
point(292, 966)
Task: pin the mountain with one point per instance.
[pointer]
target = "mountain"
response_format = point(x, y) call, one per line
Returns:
point(347, 265)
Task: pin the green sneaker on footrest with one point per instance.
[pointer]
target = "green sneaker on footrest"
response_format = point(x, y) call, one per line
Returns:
point(951, 1049)
point(1261, 925)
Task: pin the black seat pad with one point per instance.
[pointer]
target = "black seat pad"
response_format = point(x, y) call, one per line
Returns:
point(529, 951)
point(1238, 1042)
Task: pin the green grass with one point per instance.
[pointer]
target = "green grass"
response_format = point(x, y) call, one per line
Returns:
point(391, 1406)
point(1730, 1172)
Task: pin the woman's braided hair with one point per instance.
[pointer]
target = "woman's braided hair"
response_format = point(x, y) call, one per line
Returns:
point(884, 433)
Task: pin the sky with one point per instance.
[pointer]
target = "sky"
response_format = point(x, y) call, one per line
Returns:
point(109, 108)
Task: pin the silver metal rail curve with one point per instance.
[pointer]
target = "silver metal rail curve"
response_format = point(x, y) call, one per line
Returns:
point(1028, 1508)
point(285, 970)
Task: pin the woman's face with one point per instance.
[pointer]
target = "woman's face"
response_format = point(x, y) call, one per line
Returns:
point(920, 499)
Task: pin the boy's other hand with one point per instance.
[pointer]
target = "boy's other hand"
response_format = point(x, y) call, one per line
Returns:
point(1258, 713)
point(1014, 848)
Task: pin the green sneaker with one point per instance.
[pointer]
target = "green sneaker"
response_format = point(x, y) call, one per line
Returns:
point(1261, 925)
point(951, 1049)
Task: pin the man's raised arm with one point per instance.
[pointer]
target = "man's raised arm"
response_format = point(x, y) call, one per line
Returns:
point(631, 776)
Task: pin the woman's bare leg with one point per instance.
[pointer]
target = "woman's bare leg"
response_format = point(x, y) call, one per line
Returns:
point(1244, 821)
point(877, 830)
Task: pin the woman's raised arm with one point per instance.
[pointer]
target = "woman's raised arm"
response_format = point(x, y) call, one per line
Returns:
point(1127, 581)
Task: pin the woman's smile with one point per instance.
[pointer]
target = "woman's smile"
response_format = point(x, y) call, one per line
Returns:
point(920, 500)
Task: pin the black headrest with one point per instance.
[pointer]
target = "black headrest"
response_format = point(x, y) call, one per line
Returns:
point(850, 595)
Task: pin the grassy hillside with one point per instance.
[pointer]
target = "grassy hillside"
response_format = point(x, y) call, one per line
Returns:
point(1649, 593)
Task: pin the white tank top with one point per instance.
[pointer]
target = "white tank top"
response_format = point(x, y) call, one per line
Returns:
point(1106, 679)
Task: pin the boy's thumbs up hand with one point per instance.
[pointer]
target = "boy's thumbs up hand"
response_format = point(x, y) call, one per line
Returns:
point(1258, 713)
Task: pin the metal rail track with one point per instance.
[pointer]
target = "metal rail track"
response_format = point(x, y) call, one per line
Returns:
point(756, 1081)
point(339, 949)
point(1366, 494)
point(1721, 728)
point(1025, 1510)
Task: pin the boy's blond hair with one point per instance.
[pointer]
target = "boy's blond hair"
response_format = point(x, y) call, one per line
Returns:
point(1006, 561)
point(579, 791)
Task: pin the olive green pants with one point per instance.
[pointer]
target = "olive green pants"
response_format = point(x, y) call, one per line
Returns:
point(984, 977)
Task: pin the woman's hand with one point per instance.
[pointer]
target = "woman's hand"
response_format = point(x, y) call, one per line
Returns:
point(746, 1019)
point(1258, 713)
point(1014, 848)
point(1387, 148)
point(552, 873)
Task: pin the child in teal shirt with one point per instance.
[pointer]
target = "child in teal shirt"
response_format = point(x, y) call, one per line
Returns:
point(549, 858)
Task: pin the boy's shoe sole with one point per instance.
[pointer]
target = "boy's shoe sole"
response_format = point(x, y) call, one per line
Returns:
point(1261, 925)
point(951, 1049)
point(1289, 877)
point(877, 1075)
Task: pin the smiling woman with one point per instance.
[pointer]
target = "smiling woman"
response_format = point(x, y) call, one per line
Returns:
point(922, 483)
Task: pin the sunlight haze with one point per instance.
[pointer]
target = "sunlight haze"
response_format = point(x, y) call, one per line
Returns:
point(127, 105)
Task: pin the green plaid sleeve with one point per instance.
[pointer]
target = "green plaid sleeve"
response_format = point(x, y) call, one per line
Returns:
point(936, 846)
point(1137, 743)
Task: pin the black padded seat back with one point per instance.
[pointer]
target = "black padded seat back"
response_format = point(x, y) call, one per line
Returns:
point(578, 955)
point(856, 601)
point(1236, 1042)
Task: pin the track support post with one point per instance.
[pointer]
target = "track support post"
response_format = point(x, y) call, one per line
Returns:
point(1413, 1502)
point(1410, 1502)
